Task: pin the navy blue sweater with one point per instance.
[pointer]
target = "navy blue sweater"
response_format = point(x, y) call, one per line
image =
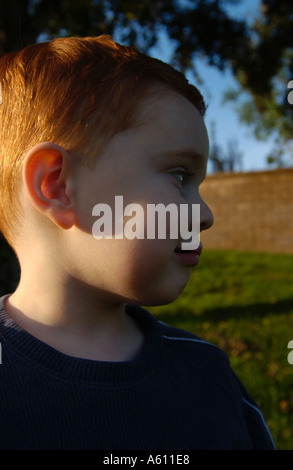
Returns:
point(178, 393)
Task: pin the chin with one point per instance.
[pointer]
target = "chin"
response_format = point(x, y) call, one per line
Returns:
point(163, 297)
point(158, 290)
point(158, 303)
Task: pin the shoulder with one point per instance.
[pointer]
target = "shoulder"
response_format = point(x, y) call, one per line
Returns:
point(178, 346)
point(193, 358)
point(185, 342)
point(212, 365)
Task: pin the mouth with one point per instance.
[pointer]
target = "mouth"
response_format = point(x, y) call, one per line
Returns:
point(188, 257)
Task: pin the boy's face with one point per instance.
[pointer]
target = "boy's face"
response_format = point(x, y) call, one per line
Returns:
point(145, 165)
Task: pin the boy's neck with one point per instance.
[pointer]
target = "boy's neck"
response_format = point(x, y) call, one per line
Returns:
point(75, 321)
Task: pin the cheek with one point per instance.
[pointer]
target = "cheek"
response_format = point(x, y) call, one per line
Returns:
point(149, 255)
point(140, 261)
point(137, 271)
point(118, 262)
point(150, 275)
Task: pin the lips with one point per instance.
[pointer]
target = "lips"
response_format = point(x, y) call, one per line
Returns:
point(188, 257)
point(197, 251)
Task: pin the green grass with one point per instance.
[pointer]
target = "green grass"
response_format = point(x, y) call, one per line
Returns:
point(243, 302)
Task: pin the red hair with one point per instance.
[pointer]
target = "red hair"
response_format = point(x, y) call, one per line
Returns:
point(73, 92)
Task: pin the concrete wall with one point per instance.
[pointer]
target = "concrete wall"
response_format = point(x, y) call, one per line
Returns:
point(253, 211)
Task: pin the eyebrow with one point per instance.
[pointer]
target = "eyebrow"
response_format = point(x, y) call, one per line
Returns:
point(189, 156)
point(185, 155)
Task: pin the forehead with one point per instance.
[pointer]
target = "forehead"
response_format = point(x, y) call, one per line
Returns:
point(167, 125)
point(171, 121)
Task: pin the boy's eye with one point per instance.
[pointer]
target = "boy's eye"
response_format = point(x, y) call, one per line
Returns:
point(181, 175)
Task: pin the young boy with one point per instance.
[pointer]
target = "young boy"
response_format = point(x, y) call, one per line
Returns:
point(84, 120)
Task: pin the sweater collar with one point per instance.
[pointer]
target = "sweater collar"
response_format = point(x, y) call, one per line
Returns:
point(93, 373)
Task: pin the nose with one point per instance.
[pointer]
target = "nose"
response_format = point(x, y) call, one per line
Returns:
point(206, 216)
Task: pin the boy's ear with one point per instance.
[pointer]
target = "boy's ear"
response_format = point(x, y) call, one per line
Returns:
point(47, 182)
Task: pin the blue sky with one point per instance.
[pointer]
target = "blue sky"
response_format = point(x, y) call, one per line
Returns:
point(215, 83)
